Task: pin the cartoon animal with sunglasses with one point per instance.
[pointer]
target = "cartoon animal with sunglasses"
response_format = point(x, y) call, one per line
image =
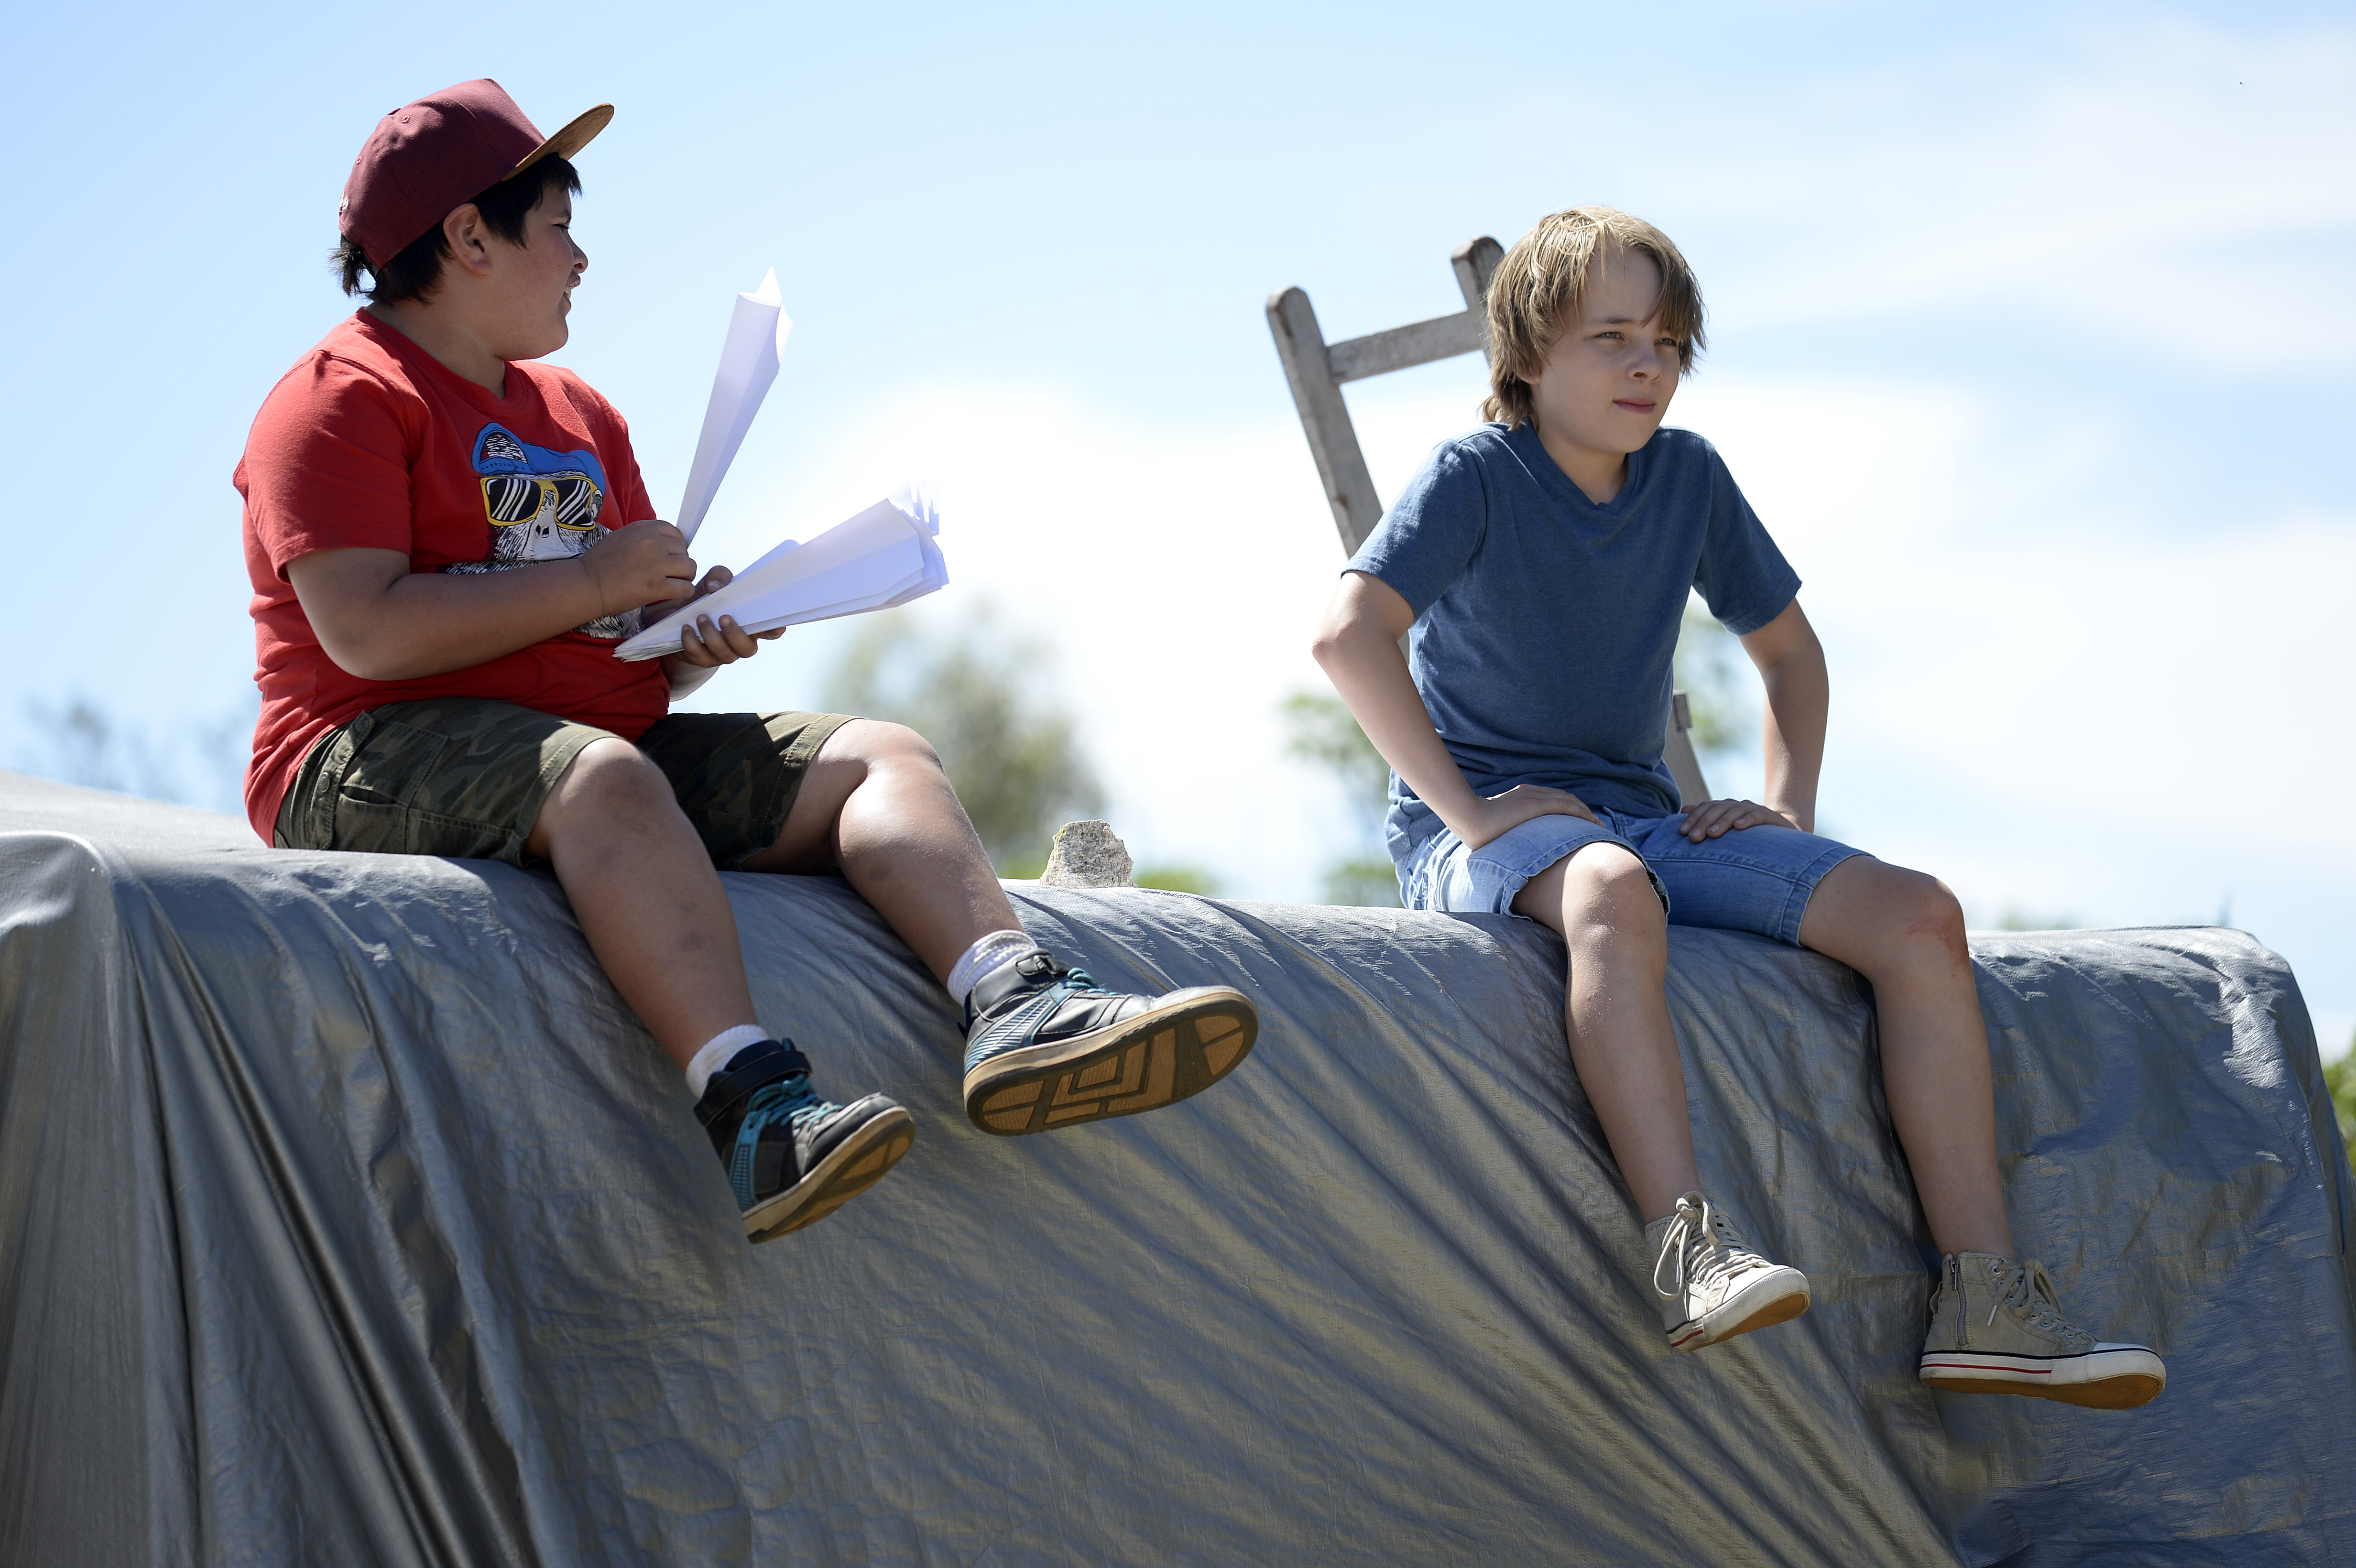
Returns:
point(541, 506)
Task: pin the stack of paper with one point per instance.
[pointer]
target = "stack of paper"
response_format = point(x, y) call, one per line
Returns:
point(887, 555)
point(748, 364)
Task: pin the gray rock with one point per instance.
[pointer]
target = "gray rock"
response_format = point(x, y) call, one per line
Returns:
point(1088, 855)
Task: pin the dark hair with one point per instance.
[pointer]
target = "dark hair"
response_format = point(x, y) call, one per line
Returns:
point(412, 274)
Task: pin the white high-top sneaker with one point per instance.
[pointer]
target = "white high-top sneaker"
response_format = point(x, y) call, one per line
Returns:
point(1996, 1328)
point(1711, 1287)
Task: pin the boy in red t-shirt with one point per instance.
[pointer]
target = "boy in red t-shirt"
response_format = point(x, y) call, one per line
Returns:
point(438, 592)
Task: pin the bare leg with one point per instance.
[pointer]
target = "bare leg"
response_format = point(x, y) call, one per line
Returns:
point(1616, 1012)
point(1904, 932)
point(876, 807)
point(646, 895)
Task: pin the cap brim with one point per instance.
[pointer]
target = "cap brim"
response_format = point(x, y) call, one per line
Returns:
point(577, 134)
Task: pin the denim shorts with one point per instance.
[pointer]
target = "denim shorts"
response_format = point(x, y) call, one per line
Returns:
point(1753, 879)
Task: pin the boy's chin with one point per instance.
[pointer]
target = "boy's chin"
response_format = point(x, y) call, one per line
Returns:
point(540, 345)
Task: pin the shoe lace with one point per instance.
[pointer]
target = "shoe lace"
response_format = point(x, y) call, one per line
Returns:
point(1065, 984)
point(2026, 1288)
point(789, 1100)
point(1707, 1248)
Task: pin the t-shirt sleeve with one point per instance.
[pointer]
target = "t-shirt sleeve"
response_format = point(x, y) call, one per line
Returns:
point(1430, 534)
point(1743, 577)
point(327, 464)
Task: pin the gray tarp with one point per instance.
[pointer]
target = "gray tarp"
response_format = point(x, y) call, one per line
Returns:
point(346, 1217)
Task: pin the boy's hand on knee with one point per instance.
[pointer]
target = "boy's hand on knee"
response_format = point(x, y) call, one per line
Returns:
point(1499, 814)
point(1715, 819)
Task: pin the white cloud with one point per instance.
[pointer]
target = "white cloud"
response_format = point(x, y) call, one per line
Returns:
point(2167, 184)
point(1992, 612)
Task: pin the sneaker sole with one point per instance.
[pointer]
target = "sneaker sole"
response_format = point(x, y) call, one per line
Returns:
point(2124, 1379)
point(1187, 1041)
point(850, 1168)
point(1786, 1301)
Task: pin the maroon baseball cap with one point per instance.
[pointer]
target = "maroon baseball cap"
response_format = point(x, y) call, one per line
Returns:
point(442, 152)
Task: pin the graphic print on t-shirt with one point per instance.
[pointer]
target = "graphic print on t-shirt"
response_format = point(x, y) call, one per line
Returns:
point(541, 506)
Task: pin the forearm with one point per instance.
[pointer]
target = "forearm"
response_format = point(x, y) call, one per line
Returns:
point(1799, 698)
point(380, 621)
point(430, 623)
point(1368, 670)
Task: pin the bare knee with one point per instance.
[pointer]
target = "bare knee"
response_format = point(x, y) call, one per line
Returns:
point(612, 768)
point(870, 743)
point(1924, 922)
point(610, 785)
point(1607, 890)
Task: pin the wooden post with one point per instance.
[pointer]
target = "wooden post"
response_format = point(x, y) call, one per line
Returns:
point(1676, 749)
point(1324, 418)
point(1476, 261)
point(1316, 372)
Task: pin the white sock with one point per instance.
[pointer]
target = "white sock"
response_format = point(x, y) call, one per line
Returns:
point(999, 947)
point(717, 1052)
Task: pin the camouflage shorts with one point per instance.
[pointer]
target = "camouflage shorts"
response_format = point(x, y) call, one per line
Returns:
point(464, 776)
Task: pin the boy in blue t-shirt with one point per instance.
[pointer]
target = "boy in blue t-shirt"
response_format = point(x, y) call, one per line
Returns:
point(1541, 565)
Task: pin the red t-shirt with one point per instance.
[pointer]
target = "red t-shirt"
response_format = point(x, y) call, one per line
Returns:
point(372, 441)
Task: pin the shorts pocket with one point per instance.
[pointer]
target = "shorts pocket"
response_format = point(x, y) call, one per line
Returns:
point(392, 767)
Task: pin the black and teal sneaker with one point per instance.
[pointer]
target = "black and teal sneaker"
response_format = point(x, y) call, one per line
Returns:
point(1046, 1047)
point(792, 1157)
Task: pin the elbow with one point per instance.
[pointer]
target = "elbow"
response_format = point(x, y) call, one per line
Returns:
point(1339, 630)
point(1336, 640)
point(1365, 617)
point(363, 661)
point(1353, 642)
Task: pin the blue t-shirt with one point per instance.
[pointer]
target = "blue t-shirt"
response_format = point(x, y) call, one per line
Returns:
point(1545, 622)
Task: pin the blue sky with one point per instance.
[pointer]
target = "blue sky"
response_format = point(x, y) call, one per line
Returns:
point(2033, 339)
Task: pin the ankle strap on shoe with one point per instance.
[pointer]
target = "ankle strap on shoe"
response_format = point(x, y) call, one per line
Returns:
point(752, 1069)
point(1002, 982)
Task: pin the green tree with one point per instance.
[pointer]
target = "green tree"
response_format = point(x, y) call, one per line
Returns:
point(196, 762)
point(1177, 880)
point(2339, 1078)
point(1721, 690)
point(2016, 918)
point(972, 692)
point(1318, 731)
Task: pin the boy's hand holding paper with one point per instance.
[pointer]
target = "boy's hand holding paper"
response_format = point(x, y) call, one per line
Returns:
point(883, 556)
point(706, 643)
point(886, 555)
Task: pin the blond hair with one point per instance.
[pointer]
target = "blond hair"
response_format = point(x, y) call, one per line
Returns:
point(1535, 295)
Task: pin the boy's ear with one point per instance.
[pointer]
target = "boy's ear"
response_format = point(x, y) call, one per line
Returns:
point(467, 236)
